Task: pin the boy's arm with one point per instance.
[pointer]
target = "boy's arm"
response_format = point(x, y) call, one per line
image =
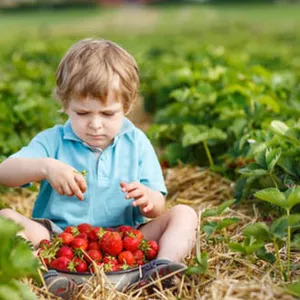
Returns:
point(17, 171)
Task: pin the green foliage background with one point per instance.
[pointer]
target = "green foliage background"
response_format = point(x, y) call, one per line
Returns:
point(213, 76)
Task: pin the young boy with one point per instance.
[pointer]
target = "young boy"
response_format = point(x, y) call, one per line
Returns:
point(97, 85)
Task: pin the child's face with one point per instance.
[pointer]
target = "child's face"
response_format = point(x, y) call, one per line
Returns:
point(94, 122)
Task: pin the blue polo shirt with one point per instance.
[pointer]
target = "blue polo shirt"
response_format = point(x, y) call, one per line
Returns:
point(130, 157)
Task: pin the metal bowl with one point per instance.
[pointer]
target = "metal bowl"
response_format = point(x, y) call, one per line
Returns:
point(118, 279)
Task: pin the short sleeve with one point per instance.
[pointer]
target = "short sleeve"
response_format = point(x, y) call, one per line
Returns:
point(150, 173)
point(39, 146)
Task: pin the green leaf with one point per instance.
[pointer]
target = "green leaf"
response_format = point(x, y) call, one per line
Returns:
point(294, 288)
point(293, 198)
point(273, 196)
point(209, 228)
point(236, 88)
point(270, 102)
point(201, 267)
point(197, 134)
point(174, 152)
point(272, 157)
point(287, 164)
point(219, 210)
point(227, 222)
point(266, 256)
point(15, 290)
point(254, 247)
point(23, 260)
point(259, 231)
point(279, 227)
point(257, 173)
point(8, 229)
point(279, 127)
point(236, 247)
point(181, 95)
point(260, 158)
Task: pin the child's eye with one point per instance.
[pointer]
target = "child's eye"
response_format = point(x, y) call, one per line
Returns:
point(108, 114)
point(81, 113)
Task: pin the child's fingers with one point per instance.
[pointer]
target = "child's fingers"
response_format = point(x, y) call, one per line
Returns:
point(130, 186)
point(135, 194)
point(81, 182)
point(148, 207)
point(123, 184)
point(59, 189)
point(67, 190)
point(76, 190)
point(140, 201)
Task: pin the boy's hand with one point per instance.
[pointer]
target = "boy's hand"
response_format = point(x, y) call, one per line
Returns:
point(140, 193)
point(65, 179)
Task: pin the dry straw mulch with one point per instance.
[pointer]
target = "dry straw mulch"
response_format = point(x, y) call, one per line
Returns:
point(229, 275)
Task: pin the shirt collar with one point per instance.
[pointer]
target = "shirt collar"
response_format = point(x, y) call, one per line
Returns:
point(69, 134)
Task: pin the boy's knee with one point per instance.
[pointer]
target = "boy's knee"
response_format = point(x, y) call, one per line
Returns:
point(9, 214)
point(186, 212)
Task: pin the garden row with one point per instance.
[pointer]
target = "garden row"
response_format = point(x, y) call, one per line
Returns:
point(233, 107)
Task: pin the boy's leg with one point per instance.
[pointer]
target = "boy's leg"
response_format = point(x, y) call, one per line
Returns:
point(32, 230)
point(175, 231)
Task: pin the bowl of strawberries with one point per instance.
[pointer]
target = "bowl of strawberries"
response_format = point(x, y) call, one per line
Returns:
point(80, 251)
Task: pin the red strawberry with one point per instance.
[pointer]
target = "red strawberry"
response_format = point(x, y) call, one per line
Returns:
point(138, 255)
point(164, 164)
point(82, 236)
point(127, 258)
point(80, 265)
point(46, 259)
point(111, 243)
point(139, 235)
point(152, 249)
point(111, 267)
point(66, 238)
point(123, 229)
point(47, 262)
point(84, 228)
point(44, 243)
point(65, 251)
point(94, 255)
point(131, 242)
point(79, 243)
point(110, 259)
point(60, 263)
point(96, 233)
point(71, 229)
point(93, 246)
point(109, 229)
point(140, 262)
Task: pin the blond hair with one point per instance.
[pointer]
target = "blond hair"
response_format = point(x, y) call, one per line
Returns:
point(91, 68)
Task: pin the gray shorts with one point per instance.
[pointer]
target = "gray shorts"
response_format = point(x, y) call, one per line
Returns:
point(51, 226)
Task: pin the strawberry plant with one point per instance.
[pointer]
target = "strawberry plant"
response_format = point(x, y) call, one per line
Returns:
point(286, 201)
point(16, 262)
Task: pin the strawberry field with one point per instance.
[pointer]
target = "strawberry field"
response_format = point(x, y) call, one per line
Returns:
point(220, 100)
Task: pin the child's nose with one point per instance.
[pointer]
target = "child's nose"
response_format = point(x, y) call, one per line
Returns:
point(96, 123)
